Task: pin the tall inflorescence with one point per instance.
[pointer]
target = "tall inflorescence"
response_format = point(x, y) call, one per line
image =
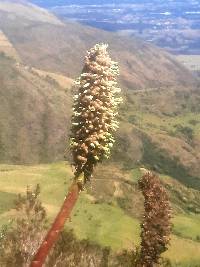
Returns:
point(94, 112)
point(156, 225)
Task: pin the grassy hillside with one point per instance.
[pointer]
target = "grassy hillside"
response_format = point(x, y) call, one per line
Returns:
point(34, 113)
point(159, 126)
point(160, 129)
point(61, 48)
point(92, 216)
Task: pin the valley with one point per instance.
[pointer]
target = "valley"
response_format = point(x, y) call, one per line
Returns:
point(40, 56)
point(173, 25)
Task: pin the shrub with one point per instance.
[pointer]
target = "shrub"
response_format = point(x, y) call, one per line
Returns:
point(21, 239)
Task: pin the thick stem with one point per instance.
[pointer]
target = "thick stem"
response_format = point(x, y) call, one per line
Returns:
point(57, 226)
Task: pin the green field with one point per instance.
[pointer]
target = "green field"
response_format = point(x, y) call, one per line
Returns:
point(187, 226)
point(102, 222)
point(89, 220)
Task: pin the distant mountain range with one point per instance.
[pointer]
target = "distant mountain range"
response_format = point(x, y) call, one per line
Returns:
point(50, 3)
point(174, 25)
point(44, 41)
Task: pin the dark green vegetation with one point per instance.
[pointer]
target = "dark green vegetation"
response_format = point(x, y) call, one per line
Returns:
point(162, 132)
point(159, 160)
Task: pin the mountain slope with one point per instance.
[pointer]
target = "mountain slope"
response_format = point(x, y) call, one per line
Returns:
point(22, 9)
point(34, 112)
point(157, 129)
point(160, 129)
point(7, 48)
point(60, 48)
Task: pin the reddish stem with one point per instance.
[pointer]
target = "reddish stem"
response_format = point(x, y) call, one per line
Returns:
point(57, 226)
